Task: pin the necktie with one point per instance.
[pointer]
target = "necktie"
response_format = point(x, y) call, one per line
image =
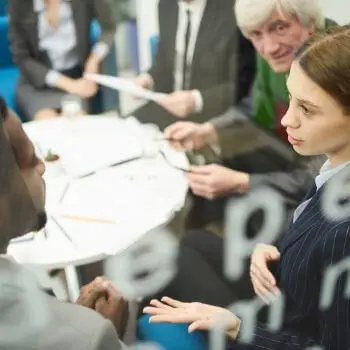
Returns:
point(185, 78)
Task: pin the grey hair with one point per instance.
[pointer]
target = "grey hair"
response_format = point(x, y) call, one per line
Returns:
point(253, 13)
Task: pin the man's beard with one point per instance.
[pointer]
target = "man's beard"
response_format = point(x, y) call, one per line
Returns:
point(42, 220)
point(40, 224)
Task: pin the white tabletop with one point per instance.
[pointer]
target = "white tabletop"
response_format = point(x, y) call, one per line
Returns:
point(131, 199)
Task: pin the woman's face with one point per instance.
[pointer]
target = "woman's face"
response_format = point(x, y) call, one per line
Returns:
point(315, 122)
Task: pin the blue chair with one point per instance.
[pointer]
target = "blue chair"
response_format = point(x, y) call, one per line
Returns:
point(154, 41)
point(170, 336)
point(8, 71)
point(107, 99)
point(3, 7)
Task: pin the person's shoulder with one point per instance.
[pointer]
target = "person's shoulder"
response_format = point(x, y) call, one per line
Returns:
point(82, 327)
point(45, 322)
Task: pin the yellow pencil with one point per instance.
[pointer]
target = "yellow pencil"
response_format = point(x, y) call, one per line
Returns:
point(88, 219)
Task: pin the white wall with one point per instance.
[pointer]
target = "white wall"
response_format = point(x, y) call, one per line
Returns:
point(339, 10)
point(147, 23)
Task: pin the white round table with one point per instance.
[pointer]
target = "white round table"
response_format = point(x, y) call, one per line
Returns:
point(97, 210)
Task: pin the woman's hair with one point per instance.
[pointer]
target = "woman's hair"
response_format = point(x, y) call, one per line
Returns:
point(325, 58)
point(252, 13)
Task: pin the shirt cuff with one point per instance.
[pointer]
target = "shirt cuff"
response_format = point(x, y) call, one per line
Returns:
point(52, 77)
point(101, 50)
point(198, 100)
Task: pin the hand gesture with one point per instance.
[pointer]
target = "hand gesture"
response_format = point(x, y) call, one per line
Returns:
point(102, 296)
point(263, 281)
point(199, 316)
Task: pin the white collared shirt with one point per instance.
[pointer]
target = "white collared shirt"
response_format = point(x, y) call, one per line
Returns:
point(326, 173)
point(196, 7)
point(61, 43)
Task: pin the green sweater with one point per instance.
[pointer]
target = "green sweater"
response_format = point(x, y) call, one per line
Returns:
point(270, 95)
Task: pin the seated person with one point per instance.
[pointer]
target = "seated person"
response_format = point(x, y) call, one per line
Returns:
point(310, 260)
point(277, 30)
point(203, 62)
point(51, 44)
point(30, 318)
point(314, 251)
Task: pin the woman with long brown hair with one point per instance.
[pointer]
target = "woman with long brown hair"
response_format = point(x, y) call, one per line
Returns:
point(314, 253)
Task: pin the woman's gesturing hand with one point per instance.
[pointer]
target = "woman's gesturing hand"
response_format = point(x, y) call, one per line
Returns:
point(263, 280)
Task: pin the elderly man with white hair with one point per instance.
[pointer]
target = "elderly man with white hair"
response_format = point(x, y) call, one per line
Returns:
point(276, 28)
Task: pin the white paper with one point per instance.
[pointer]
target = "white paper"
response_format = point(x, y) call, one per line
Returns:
point(125, 86)
point(87, 144)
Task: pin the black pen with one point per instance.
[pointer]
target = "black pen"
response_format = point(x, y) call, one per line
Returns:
point(112, 165)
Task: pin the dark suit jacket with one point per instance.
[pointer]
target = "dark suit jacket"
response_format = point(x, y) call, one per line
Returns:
point(223, 64)
point(312, 244)
point(35, 64)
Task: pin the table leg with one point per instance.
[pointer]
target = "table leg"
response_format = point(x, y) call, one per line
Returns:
point(73, 284)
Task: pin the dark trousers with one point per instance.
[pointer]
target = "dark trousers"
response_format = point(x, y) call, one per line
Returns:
point(200, 274)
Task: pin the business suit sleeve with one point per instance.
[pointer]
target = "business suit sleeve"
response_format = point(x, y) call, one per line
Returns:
point(106, 14)
point(106, 338)
point(32, 69)
point(334, 321)
point(240, 61)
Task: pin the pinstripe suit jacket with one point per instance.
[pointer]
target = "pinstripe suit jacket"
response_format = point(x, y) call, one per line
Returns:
point(312, 244)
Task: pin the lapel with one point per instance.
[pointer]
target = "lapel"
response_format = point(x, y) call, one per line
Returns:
point(310, 217)
point(171, 30)
point(79, 12)
point(30, 18)
point(207, 30)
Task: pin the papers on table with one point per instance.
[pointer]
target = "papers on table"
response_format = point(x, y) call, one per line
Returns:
point(86, 144)
point(103, 214)
point(125, 86)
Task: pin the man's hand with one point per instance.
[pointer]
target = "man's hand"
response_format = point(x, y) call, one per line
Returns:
point(263, 281)
point(212, 181)
point(179, 103)
point(102, 296)
point(199, 316)
point(144, 81)
point(83, 88)
point(189, 136)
